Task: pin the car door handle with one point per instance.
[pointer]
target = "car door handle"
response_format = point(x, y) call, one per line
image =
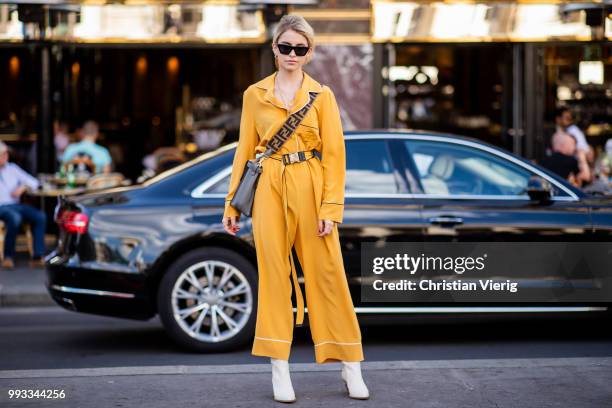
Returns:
point(446, 220)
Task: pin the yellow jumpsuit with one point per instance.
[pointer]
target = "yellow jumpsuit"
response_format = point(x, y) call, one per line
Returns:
point(289, 201)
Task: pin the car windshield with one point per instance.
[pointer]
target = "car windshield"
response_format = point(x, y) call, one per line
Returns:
point(188, 164)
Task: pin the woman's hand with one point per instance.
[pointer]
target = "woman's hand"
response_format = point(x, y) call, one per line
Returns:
point(325, 227)
point(230, 224)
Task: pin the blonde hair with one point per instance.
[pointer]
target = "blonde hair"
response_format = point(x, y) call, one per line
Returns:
point(298, 24)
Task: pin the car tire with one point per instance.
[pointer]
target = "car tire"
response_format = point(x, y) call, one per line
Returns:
point(179, 276)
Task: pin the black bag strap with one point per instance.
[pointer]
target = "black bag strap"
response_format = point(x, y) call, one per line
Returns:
point(288, 127)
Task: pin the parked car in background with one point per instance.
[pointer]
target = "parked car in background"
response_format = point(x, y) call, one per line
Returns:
point(159, 247)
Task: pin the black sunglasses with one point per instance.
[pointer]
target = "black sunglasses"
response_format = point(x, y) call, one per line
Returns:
point(285, 49)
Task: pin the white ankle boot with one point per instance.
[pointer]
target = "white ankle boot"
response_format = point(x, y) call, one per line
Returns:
point(281, 381)
point(351, 374)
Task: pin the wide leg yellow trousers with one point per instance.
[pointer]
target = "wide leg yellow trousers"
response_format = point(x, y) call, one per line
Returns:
point(285, 215)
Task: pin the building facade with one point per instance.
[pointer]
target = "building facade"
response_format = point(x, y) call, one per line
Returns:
point(173, 74)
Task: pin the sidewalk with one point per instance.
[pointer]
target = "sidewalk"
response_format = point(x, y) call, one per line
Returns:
point(501, 383)
point(23, 286)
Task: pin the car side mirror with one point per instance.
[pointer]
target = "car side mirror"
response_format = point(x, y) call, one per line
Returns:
point(539, 189)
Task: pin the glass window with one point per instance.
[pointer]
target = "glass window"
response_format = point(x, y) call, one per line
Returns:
point(446, 168)
point(462, 89)
point(369, 168)
point(221, 186)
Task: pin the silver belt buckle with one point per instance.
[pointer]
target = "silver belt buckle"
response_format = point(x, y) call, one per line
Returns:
point(294, 157)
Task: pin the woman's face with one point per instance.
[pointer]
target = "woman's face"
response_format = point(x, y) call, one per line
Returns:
point(292, 61)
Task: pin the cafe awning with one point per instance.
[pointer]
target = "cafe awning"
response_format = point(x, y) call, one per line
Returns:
point(245, 21)
point(464, 21)
point(134, 21)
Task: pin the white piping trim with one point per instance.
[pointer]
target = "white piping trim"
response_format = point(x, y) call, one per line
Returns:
point(265, 338)
point(335, 342)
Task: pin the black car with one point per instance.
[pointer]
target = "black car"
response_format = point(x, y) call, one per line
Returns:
point(160, 247)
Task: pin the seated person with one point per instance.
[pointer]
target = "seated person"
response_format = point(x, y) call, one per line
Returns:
point(564, 121)
point(604, 164)
point(563, 161)
point(61, 138)
point(14, 181)
point(84, 162)
point(87, 147)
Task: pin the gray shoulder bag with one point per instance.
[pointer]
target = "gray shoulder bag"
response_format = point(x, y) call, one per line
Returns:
point(245, 192)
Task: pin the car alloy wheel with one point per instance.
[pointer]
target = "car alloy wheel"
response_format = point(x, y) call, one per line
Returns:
point(212, 301)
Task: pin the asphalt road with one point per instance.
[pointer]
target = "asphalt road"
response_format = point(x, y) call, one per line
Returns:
point(51, 337)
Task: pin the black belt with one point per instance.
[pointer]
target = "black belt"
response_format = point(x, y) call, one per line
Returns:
point(297, 157)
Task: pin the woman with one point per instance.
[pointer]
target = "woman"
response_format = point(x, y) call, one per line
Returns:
point(299, 201)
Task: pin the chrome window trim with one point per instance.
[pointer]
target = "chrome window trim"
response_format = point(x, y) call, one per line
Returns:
point(94, 292)
point(211, 195)
point(199, 191)
point(449, 196)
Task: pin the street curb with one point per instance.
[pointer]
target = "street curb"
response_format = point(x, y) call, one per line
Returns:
point(264, 368)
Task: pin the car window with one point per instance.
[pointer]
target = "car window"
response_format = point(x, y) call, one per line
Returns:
point(446, 168)
point(221, 186)
point(369, 168)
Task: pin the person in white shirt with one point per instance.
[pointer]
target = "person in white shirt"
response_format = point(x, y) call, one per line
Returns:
point(565, 122)
point(14, 181)
point(99, 155)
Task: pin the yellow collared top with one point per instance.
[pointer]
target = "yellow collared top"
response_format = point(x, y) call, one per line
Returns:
point(263, 114)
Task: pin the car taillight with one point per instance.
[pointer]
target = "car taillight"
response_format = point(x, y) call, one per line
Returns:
point(73, 222)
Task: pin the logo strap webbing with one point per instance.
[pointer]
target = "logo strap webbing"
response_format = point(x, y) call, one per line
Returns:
point(290, 124)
